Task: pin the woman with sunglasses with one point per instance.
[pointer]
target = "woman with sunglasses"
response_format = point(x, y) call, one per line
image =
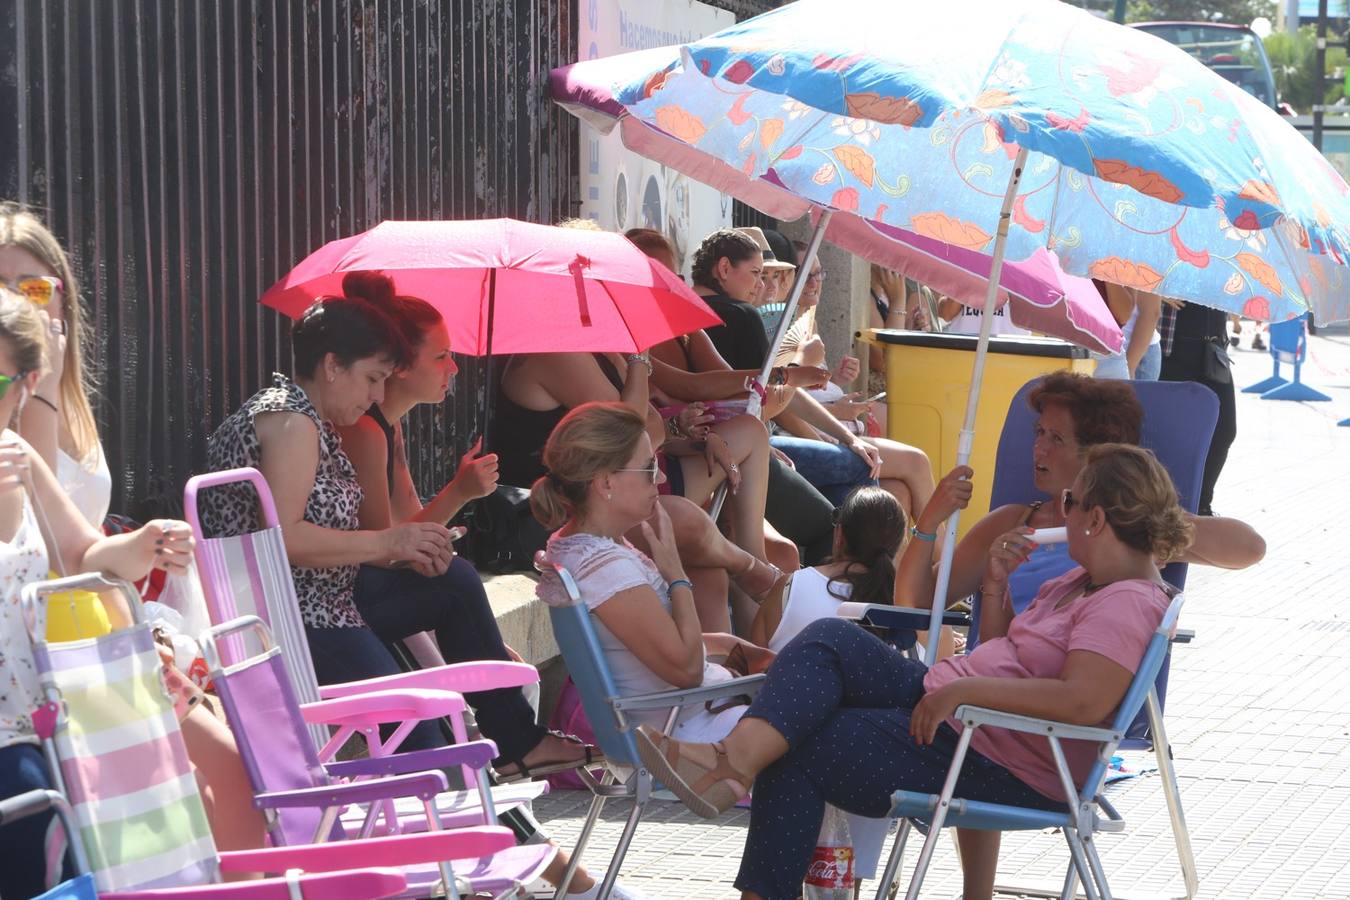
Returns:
point(1076, 412)
point(601, 483)
point(843, 718)
point(58, 422)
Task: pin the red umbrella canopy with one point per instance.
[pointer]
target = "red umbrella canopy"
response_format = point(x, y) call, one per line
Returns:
point(511, 287)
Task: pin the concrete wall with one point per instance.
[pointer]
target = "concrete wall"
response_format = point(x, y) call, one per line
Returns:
point(844, 297)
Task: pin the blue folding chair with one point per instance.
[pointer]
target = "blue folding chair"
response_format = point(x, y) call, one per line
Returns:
point(1288, 344)
point(1090, 812)
point(609, 715)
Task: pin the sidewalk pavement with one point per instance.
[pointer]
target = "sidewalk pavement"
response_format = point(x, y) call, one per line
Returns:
point(1258, 708)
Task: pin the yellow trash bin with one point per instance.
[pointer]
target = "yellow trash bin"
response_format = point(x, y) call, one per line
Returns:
point(927, 383)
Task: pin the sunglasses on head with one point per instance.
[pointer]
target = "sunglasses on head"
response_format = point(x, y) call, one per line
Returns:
point(7, 380)
point(651, 470)
point(37, 289)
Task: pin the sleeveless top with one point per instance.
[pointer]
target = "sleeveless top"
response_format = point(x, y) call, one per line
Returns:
point(325, 594)
point(810, 596)
point(519, 434)
point(377, 415)
point(87, 482)
point(22, 560)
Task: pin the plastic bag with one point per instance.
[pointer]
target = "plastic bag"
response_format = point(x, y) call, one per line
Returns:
point(183, 593)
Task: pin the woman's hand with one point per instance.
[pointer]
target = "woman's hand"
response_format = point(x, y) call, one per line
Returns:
point(935, 708)
point(718, 452)
point(477, 475)
point(953, 492)
point(440, 561)
point(892, 285)
point(870, 455)
point(850, 406)
point(783, 458)
point(49, 385)
point(160, 544)
point(421, 544)
point(806, 376)
point(14, 466)
point(918, 320)
point(660, 535)
point(847, 371)
point(695, 421)
point(1009, 550)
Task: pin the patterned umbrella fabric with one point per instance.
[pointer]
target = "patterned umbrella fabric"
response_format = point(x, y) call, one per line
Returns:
point(1146, 168)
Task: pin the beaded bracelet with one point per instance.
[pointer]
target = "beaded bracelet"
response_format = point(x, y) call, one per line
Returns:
point(679, 582)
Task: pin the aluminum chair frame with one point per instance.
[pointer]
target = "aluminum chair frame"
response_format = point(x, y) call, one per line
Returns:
point(611, 718)
point(1090, 814)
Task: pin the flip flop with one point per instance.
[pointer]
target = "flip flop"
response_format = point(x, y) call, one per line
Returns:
point(592, 757)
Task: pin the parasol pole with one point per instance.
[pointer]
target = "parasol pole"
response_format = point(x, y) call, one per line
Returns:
point(490, 399)
point(803, 265)
point(967, 440)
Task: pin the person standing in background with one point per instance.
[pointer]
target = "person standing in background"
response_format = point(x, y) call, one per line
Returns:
point(1193, 342)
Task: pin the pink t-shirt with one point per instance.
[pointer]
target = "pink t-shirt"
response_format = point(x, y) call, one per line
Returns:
point(1115, 621)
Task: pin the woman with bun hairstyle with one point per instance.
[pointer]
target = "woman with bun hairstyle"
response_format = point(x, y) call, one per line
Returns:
point(397, 602)
point(1069, 657)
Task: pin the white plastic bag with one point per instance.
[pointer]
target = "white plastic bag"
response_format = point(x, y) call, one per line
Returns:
point(183, 594)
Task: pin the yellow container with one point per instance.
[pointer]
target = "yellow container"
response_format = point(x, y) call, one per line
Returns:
point(927, 384)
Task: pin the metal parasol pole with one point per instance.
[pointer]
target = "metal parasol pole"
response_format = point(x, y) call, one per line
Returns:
point(803, 265)
point(967, 441)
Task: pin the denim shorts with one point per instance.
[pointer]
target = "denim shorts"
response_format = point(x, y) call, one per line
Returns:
point(832, 469)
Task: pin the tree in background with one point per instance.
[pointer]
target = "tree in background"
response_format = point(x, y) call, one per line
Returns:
point(1293, 58)
point(1231, 12)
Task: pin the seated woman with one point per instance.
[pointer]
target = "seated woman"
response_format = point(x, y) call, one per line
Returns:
point(599, 485)
point(838, 692)
point(41, 528)
point(397, 602)
point(1076, 412)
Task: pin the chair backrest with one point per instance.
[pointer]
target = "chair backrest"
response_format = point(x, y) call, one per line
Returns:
point(586, 665)
point(114, 747)
point(263, 712)
point(1155, 654)
point(1179, 419)
point(250, 575)
point(1287, 340)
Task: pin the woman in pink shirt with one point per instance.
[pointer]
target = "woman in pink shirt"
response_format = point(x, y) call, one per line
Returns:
point(845, 719)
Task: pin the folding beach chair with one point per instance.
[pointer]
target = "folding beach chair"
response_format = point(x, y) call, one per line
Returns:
point(1089, 814)
point(284, 768)
point(250, 575)
point(357, 870)
point(610, 718)
point(111, 737)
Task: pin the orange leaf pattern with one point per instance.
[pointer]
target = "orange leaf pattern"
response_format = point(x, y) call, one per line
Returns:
point(825, 174)
point(680, 123)
point(858, 161)
point(1261, 270)
point(993, 99)
point(1261, 191)
point(1125, 272)
point(884, 110)
point(770, 131)
point(943, 227)
point(1150, 184)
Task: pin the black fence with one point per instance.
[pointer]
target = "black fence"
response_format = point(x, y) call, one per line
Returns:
point(188, 153)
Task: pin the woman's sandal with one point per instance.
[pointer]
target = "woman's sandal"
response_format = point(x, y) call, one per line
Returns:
point(759, 574)
point(591, 757)
point(707, 792)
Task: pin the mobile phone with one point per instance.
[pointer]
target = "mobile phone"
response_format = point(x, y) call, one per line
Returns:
point(875, 397)
point(457, 532)
point(1050, 535)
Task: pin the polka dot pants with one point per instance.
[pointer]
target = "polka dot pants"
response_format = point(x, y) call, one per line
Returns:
point(842, 699)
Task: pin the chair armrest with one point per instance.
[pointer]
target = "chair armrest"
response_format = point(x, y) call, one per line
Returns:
point(423, 785)
point(978, 715)
point(464, 678)
point(905, 618)
point(750, 684)
point(378, 707)
point(393, 850)
point(476, 754)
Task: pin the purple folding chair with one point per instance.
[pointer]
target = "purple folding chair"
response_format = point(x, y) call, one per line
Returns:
point(302, 797)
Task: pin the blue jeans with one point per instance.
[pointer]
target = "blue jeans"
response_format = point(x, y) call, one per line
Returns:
point(832, 469)
point(842, 699)
point(1150, 366)
point(23, 872)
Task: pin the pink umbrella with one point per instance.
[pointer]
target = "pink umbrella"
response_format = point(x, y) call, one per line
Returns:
point(511, 287)
point(1043, 297)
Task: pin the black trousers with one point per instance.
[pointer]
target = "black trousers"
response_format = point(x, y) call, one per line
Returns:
point(1187, 363)
point(799, 512)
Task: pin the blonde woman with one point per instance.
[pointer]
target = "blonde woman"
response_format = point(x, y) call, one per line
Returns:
point(58, 421)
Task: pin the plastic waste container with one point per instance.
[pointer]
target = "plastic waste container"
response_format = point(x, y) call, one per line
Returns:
point(927, 383)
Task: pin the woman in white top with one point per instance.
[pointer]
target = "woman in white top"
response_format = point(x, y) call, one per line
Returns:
point(38, 524)
point(601, 482)
point(58, 421)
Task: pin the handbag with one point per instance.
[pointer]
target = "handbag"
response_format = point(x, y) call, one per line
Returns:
point(503, 533)
point(1217, 365)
